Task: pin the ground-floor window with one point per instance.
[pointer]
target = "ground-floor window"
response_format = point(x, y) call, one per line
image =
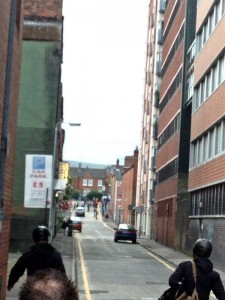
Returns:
point(208, 201)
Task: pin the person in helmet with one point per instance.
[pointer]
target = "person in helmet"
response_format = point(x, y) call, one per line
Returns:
point(41, 255)
point(207, 279)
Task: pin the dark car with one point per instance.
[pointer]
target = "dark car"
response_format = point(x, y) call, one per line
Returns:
point(125, 232)
point(76, 224)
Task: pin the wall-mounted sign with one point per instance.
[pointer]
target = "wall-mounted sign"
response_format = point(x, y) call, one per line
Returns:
point(38, 181)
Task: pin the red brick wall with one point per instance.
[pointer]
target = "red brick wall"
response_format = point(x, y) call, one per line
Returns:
point(127, 194)
point(169, 8)
point(172, 70)
point(43, 8)
point(209, 173)
point(168, 152)
point(166, 189)
point(78, 183)
point(165, 226)
point(170, 111)
point(12, 123)
point(174, 29)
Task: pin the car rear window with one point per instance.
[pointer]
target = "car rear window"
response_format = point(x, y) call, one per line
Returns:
point(126, 227)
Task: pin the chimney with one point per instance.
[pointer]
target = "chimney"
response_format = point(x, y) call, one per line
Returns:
point(117, 163)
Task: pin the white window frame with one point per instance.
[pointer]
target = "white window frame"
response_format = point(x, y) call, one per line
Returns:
point(223, 6)
point(84, 182)
point(216, 76)
point(90, 182)
point(206, 146)
point(222, 62)
point(223, 135)
point(100, 182)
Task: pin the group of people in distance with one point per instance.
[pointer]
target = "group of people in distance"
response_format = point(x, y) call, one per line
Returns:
point(47, 279)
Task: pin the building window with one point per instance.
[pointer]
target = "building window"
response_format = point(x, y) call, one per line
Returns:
point(209, 145)
point(209, 201)
point(168, 171)
point(100, 182)
point(171, 90)
point(90, 182)
point(84, 182)
point(209, 82)
point(169, 131)
point(209, 25)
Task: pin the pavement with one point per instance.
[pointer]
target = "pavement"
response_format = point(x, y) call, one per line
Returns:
point(68, 251)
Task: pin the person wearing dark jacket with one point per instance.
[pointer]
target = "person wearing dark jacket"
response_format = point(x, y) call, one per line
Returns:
point(207, 279)
point(41, 255)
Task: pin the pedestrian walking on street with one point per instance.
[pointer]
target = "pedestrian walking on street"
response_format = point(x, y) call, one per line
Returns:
point(106, 217)
point(41, 255)
point(207, 279)
point(95, 213)
point(48, 284)
point(64, 225)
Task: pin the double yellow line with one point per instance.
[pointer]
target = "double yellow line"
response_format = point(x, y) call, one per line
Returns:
point(83, 269)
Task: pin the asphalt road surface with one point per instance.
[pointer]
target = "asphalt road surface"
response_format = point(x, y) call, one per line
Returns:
point(115, 271)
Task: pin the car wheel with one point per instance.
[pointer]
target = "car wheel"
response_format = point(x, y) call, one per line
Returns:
point(115, 240)
point(134, 242)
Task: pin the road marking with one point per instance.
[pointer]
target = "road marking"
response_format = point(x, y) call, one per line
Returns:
point(106, 225)
point(84, 272)
point(99, 213)
point(162, 261)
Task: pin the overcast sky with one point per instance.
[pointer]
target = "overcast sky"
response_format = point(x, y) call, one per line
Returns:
point(103, 78)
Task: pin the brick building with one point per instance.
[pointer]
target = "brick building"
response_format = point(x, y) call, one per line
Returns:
point(172, 163)
point(146, 177)
point(40, 108)
point(88, 179)
point(11, 20)
point(129, 184)
point(162, 193)
point(115, 207)
point(207, 155)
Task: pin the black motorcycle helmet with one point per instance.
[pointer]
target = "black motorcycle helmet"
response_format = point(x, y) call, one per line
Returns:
point(41, 233)
point(202, 248)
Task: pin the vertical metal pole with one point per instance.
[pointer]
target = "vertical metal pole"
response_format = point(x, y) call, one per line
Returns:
point(52, 204)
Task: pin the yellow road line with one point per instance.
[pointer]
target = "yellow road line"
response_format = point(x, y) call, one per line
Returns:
point(99, 213)
point(84, 272)
point(162, 261)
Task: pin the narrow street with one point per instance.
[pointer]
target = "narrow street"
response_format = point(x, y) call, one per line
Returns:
point(109, 270)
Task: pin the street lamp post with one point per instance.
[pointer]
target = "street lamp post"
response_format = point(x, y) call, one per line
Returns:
point(51, 224)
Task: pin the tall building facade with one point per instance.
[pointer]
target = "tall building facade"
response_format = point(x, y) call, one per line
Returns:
point(40, 108)
point(164, 156)
point(146, 178)
point(207, 155)
point(11, 21)
point(171, 193)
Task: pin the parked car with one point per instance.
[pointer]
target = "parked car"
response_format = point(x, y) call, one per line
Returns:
point(76, 224)
point(125, 232)
point(80, 211)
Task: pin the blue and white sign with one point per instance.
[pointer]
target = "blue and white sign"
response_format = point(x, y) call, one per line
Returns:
point(38, 181)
